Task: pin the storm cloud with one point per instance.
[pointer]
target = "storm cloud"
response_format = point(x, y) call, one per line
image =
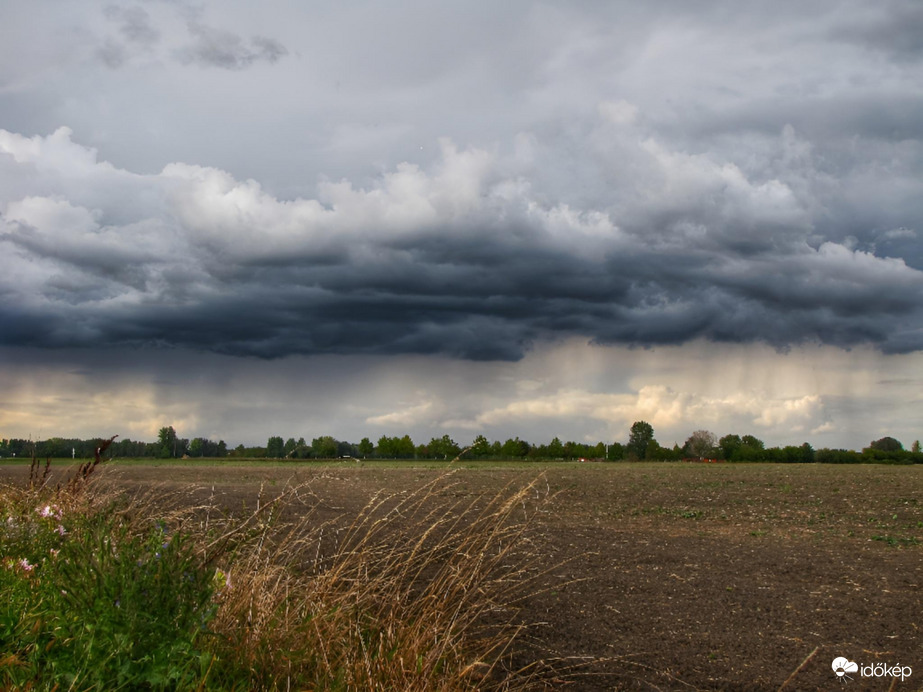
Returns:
point(217, 48)
point(462, 258)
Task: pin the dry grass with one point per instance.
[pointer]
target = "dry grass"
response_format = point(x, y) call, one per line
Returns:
point(414, 594)
point(419, 591)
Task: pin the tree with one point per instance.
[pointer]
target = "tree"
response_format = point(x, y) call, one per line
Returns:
point(167, 439)
point(514, 449)
point(751, 449)
point(405, 448)
point(203, 447)
point(837, 456)
point(915, 447)
point(556, 449)
point(729, 444)
point(887, 444)
point(366, 447)
point(275, 447)
point(638, 439)
point(301, 451)
point(701, 444)
point(807, 453)
point(752, 442)
point(480, 448)
point(444, 447)
point(654, 451)
point(386, 447)
point(325, 447)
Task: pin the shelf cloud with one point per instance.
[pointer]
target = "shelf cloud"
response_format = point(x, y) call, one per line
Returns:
point(461, 258)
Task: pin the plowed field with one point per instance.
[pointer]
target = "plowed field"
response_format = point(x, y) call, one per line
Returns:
point(670, 576)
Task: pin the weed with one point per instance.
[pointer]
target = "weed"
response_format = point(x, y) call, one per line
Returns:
point(94, 597)
point(898, 541)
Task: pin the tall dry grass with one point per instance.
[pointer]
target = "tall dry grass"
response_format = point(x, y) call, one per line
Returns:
point(416, 593)
point(419, 591)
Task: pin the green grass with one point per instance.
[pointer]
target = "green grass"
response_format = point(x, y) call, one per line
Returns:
point(94, 600)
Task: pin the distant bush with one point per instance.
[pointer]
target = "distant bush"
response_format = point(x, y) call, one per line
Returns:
point(869, 455)
point(837, 456)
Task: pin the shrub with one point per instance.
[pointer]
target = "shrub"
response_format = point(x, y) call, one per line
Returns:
point(97, 601)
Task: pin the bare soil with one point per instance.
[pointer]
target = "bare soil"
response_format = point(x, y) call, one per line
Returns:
point(671, 576)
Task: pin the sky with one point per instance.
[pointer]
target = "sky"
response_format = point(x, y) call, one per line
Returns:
point(510, 219)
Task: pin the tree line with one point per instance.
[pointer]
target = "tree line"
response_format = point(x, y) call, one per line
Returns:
point(641, 445)
point(167, 446)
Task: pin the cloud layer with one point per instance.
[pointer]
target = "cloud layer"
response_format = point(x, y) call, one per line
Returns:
point(463, 258)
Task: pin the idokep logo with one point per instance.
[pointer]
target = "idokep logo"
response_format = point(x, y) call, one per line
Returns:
point(843, 666)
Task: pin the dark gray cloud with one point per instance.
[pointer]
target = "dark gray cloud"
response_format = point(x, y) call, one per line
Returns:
point(112, 53)
point(212, 47)
point(894, 28)
point(461, 259)
point(134, 24)
point(138, 35)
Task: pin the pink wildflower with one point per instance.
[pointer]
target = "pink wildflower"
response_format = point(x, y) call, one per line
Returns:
point(50, 511)
point(24, 563)
point(61, 530)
